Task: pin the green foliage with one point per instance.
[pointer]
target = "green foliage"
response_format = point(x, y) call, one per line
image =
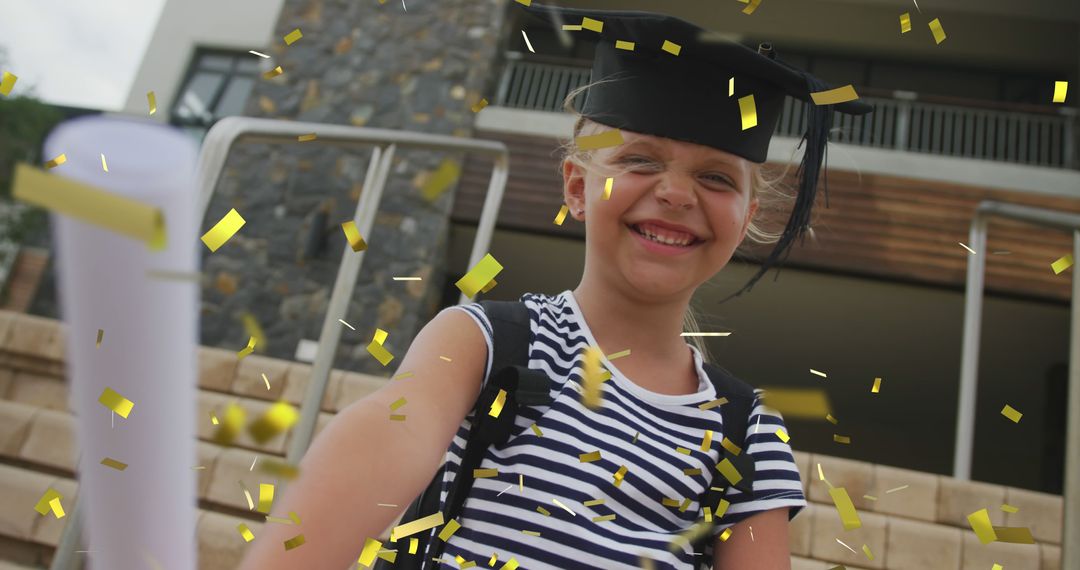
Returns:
point(24, 122)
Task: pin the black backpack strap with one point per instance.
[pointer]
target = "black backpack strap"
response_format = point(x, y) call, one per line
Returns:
point(735, 415)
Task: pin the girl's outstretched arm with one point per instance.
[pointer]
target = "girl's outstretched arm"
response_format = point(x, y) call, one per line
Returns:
point(363, 458)
point(767, 550)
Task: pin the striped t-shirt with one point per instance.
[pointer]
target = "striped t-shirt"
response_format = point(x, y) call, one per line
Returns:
point(635, 428)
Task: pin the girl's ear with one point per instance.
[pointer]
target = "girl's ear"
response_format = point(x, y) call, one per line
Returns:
point(750, 211)
point(574, 189)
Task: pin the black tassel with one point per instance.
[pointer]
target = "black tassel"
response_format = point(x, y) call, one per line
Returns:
point(819, 121)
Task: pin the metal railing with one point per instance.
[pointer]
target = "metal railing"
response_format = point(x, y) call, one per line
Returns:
point(969, 361)
point(215, 151)
point(900, 121)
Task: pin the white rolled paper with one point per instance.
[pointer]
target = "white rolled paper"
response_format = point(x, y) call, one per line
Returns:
point(142, 517)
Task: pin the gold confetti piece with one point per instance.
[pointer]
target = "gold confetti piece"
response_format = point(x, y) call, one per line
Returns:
point(446, 358)
point(100, 335)
point(524, 2)
point(521, 482)
point(748, 111)
point(278, 419)
point(784, 437)
point(713, 404)
point(589, 457)
point(905, 22)
point(607, 187)
point(511, 564)
point(682, 450)
point(895, 489)
point(997, 567)
point(231, 425)
point(419, 525)
point(821, 475)
point(273, 73)
point(403, 375)
point(684, 505)
point(56, 162)
point(593, 377)
point(619, 354)
point(604, 518)
point(110, 462)
point(1011, 413)
point(413, 543)
point(593, 502)
point(104, 165)
point(7, 83)
point(451, 527)
point(440, 180)
point(91, 205)
point(980, 523)
point(353, 236)
point(1060, 88)
point(278, 520)
point(691, 472)
point(725, 535)
point(620, 475)
point(466, 564)
point(407, 279)
point(561, 216)
point(845, 546)
point(841, 439)
point(57, 509)
point(224, 230)
point(751, 6)
point(939, 32)
point(731, 87)
point(213, 419)
point(605, 139)
point(198, 468)
point(708, 514)
point(845, 507)
point(483, 473)
point(564, 507)
point(831, 419)
point(497, 405)
point(721, 508)
point(671, 47)
point(1062, 264)
point(151, 99)
point(592, 25)
point(376, 349)
point(531, 532)
point(706, 441)
point(728, 470)
point(1009, 508)
point(266, 381)
point(866, 551)
point(543, 511)
point(479, 106)
point(247, 496)
point(254, 330)
point(245, 532)
point(371, 549)
point(44, 504)
point(636, 434)
point(869, 497)
point(802, 403)
point(295, 542)
point(835, 96)
point(730, 446)
point(822, 374)
point(115, 402)
point(877, 386)
point(483, 272)
point(536, 430)
point(571, 27)
point(967, 248)
point(628, 46)
point(266, 497)
point(293, 36)
point(669, 502)
point(306, 138)
point(398, 403)
point(397, 417)
point(1014, 534)
point(387, 505)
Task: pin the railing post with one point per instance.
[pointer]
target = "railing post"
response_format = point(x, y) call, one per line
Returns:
point(512, 58)
point(903, 118)
point(1069, 136)
point(1070, 539)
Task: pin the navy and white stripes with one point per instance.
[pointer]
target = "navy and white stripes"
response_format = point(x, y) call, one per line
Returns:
point(497, 510)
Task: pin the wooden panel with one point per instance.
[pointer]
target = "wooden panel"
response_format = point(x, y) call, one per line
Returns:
point(876, 225)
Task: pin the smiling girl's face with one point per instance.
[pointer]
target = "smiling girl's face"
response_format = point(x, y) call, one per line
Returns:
point(676, 213)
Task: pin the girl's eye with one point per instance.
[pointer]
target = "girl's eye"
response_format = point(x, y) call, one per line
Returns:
point(637, 160)
point(721, 179)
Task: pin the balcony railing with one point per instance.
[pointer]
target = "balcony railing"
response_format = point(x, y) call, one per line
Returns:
point(1024, 134)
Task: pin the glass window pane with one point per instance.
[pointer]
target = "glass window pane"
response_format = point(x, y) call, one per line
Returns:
point(194, 103)
point(248, 64)
point(215, 62)
point(236, 95)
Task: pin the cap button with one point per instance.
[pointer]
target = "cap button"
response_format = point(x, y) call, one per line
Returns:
point(766, 49)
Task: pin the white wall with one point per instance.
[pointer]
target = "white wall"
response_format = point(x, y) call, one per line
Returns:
point(188, 24)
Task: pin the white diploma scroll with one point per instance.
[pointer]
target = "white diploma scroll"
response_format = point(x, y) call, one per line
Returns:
point(144, 516)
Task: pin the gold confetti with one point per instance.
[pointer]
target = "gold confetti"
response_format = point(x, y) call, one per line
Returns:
point(706, 441)
point(56, 162)
point(877, 386)
point(801, 403)
point(511, 564)
point(451, 527)
point(247, 349)
point(254, 330)
point(407, 279)
point(7, 83)
point(110, 462)
point(831, 419)
point(91, 205)
point(620, 475)
point(980, 523)
point(607, 187)
point(247, 496)
point(605, 139)
point(728, 470)
point(866, 551)
point(636, 434)
point(1011, 413)
point(571, 27)
point(440, 180)
point(593, 377)
point(900, 488)
point(996, 567)
point(104, 165)
point(730, 446)
point(905, 22)
point(869, 497)
point(1009, 508)
point(972, 251)
point(151, 99)
point(224, 230)
point(245, 532)
point(278, 520)
point(231, 425)
point(413, 544)
point(273, 73)
point(266, 381)
point(376, 349)
point(713, 404)
point(1014, 534)
point(835, 96)
point(841, 439)
point(115, 402)
point(531, 532)
point(671, 47)
point(306, 138)
point(751, 6)
point(295, 542)
point(353, 235)
point(593, 503)
point(592, 25)
point(725, 535)
point(543, 511)
point(589, 457)
point(278, 419)
point(669, 502)
point(419, 525)
point(822, 374)
point(748, 111)
point(536, 430)
point(44, 505)
point(619, 354)
point(402, 376)
point(398, 403)
point(845, 546)
point(100, 335)
point(705, 334)
point(397, 417)
point(939, 32)
point(564, 507)
point(845, 507)
point(266, 497)
point(628, 46)
point(721, 508)
point(521, 482)
point(497, 405)
point(479, 106)
point(604, 518)
point(446, 358)
point(731, 87)
point(561, 216)
point(691, 472)
point(784, 437)
point(821, 475)
point(1060, 89)
point(483, 272)
point(293, 36)
point(484, 473)
point(367, 555)
point(1062, 264)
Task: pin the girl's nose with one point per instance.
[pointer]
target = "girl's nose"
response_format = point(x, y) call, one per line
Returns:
point(676, 191)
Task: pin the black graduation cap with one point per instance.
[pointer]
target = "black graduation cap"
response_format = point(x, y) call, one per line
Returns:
point(663, 76)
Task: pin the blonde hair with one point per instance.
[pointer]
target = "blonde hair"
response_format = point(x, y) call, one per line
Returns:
point(773, 197)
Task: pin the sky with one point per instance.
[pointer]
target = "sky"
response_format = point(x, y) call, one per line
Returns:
point(82, 53)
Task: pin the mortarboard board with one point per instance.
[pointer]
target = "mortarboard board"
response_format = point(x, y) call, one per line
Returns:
point(663, 76)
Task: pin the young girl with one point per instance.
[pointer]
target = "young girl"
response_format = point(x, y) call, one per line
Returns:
point(686, 186)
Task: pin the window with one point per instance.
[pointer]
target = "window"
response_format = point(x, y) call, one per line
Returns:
point(217, 85)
